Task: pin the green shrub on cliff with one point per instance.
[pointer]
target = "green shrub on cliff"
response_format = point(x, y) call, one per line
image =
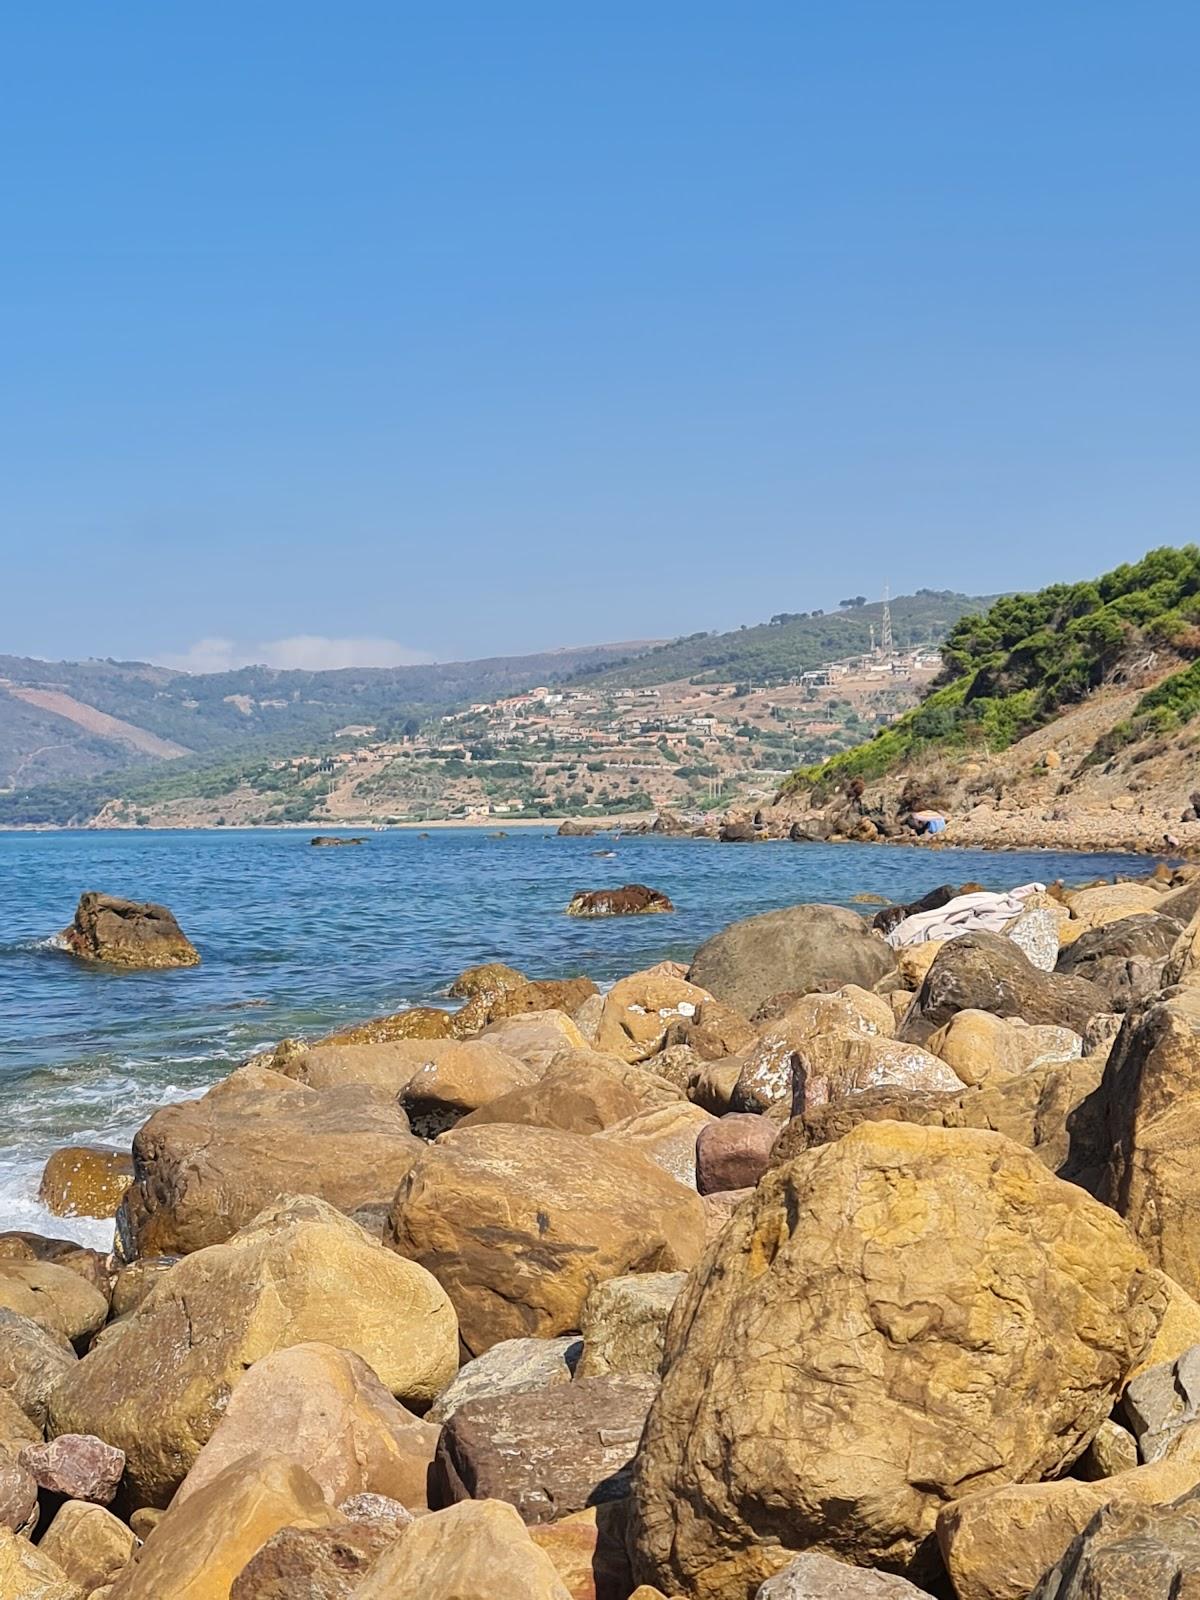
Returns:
point(1021, 662)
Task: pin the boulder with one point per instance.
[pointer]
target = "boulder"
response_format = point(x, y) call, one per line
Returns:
point(459, 1080)
point(713, 1084)
point(915, 960)
point(18, 1495)
point(624, 1322)
point(1053, 1111)
point(314, 1563)
point(580, 1095)
point(91, 1265)
point(418, 1022)
point(986, 972)
point(1162, 1400)
point(638, 1011)
point(27, 1574)
point(16, 1430)
point(54, 1297)
point(158, 1384)
point(716, 1030)
point(719, 1207)
point(535, 1038)
point(665, 1135)
point(389, 1066)
point(514, 1366)
point(800, 948)
point(1113, 1450)
point(547, 1452)
point(1151, 1099)
point(1178, 1330)
point(127, 933)
point(981, 1048)
point(575, 1211)
point(634, 900)
point(32, 1360)
point(480, 1547)
point(734, 1151)
point(999, 1542)
point(817, 1577)
point(78, 1466)
point(327, 1410)
point(1107, 902)
point(207, 1167)
point(564, 995)
point(84, 1181)
point(490, 978)
point(1125, 959)
point(1035, 934)
point(886, 1322)
point(1131, 1552)
point(203, 1542)
point(135, 1281)
point(588, 1551)
point(836, 1066)
point(90, 1545)
point(766, 1076)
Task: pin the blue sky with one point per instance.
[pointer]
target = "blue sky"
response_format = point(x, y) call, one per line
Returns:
point(344, 332)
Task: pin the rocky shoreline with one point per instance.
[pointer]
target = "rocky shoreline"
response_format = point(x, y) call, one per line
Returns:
point(856, 1260)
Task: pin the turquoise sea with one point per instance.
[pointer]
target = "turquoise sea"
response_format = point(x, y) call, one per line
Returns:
point(300, 940)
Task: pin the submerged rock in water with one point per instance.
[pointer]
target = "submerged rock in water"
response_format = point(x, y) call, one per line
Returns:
point(127, 933)
point(632, 900)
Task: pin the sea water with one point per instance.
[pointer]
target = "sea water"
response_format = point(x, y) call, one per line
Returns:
point(297, 940)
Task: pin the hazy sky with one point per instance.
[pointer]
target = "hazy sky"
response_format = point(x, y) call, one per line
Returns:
point(347, 332)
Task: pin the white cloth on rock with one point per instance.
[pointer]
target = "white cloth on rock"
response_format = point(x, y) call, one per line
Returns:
point(982, 912)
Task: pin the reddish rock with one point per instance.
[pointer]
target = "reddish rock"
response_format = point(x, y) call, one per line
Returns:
point(76, 1465)
point(547, 1452)
point(633, 900)
point(733, 1152)
point(316, 1563)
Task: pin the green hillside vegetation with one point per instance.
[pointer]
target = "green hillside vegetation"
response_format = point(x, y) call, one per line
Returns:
point(791, 643)
point(1028, 657)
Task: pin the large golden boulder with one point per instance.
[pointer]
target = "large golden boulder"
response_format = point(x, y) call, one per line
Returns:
point(886, 1323)
point(26, 1573)
point(200, 1546)
point(158, 1383)
point(638, 1011)
point(518, 1224)
point(327, 1410)
point(477, 1548)
point(1151, 1095)
point(207, 1167)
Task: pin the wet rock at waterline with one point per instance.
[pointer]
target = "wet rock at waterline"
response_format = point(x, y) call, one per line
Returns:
point(127, 933)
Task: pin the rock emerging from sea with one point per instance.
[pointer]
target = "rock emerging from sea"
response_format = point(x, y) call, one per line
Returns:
point(633, 900)
point(127, 933)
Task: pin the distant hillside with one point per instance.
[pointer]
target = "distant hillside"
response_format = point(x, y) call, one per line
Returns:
point(1028, 658)
point(793, 642)
point(61, 720)
point(75, 736)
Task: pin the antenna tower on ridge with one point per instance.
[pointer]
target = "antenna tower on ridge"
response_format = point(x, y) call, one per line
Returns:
point(885, 638)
